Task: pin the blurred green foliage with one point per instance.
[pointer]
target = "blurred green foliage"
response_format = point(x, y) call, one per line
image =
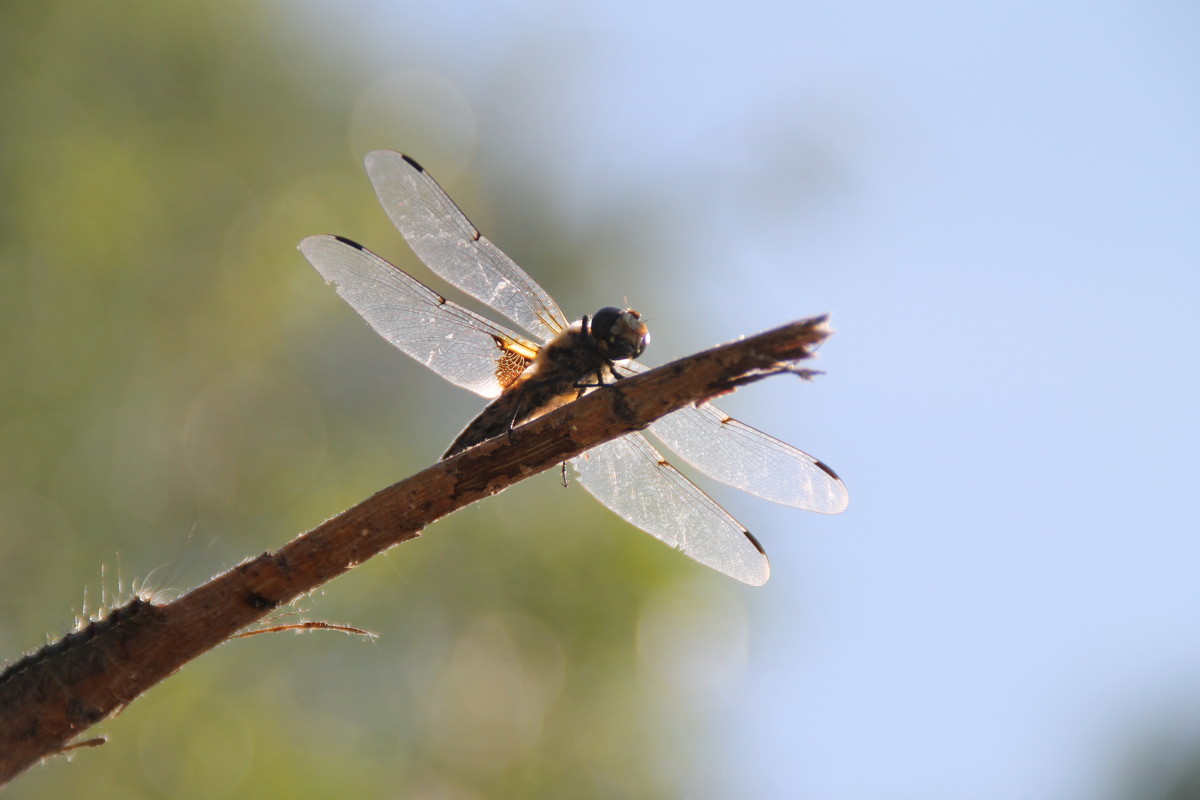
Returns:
point(181, 391)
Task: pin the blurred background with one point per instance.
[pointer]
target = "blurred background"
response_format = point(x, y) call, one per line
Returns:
point(997, 201)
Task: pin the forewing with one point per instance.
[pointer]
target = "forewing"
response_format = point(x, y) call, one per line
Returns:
point(745, 458)
point(630, 477)
point(442, 236)
point(456, 343)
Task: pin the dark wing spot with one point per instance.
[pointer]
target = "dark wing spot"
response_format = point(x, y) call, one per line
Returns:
point(412, 163)
point(825, 468)
point(350, 242)
point(754, 542)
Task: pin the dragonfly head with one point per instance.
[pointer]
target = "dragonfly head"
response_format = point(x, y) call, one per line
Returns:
point(619, 335)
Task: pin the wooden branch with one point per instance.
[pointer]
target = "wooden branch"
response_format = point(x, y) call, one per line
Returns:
point(51, 696)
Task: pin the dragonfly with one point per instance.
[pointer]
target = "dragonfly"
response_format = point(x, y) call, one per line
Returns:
point(554, 361)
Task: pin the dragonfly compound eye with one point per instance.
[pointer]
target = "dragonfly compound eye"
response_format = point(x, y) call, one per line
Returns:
point(620, 335)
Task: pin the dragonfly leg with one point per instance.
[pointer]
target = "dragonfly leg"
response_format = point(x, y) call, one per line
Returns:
point(516, 414)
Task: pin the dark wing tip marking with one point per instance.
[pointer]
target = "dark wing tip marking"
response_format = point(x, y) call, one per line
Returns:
point(827, 470)
point(756, 543)
point(412, 163)
point(350, 242)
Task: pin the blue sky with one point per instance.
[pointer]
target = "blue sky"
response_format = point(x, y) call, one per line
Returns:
point(998, 203)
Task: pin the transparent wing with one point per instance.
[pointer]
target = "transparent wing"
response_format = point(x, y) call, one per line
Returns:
point(458, 344)
point(630, 477)
point(746, 458)
point(442, 237)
